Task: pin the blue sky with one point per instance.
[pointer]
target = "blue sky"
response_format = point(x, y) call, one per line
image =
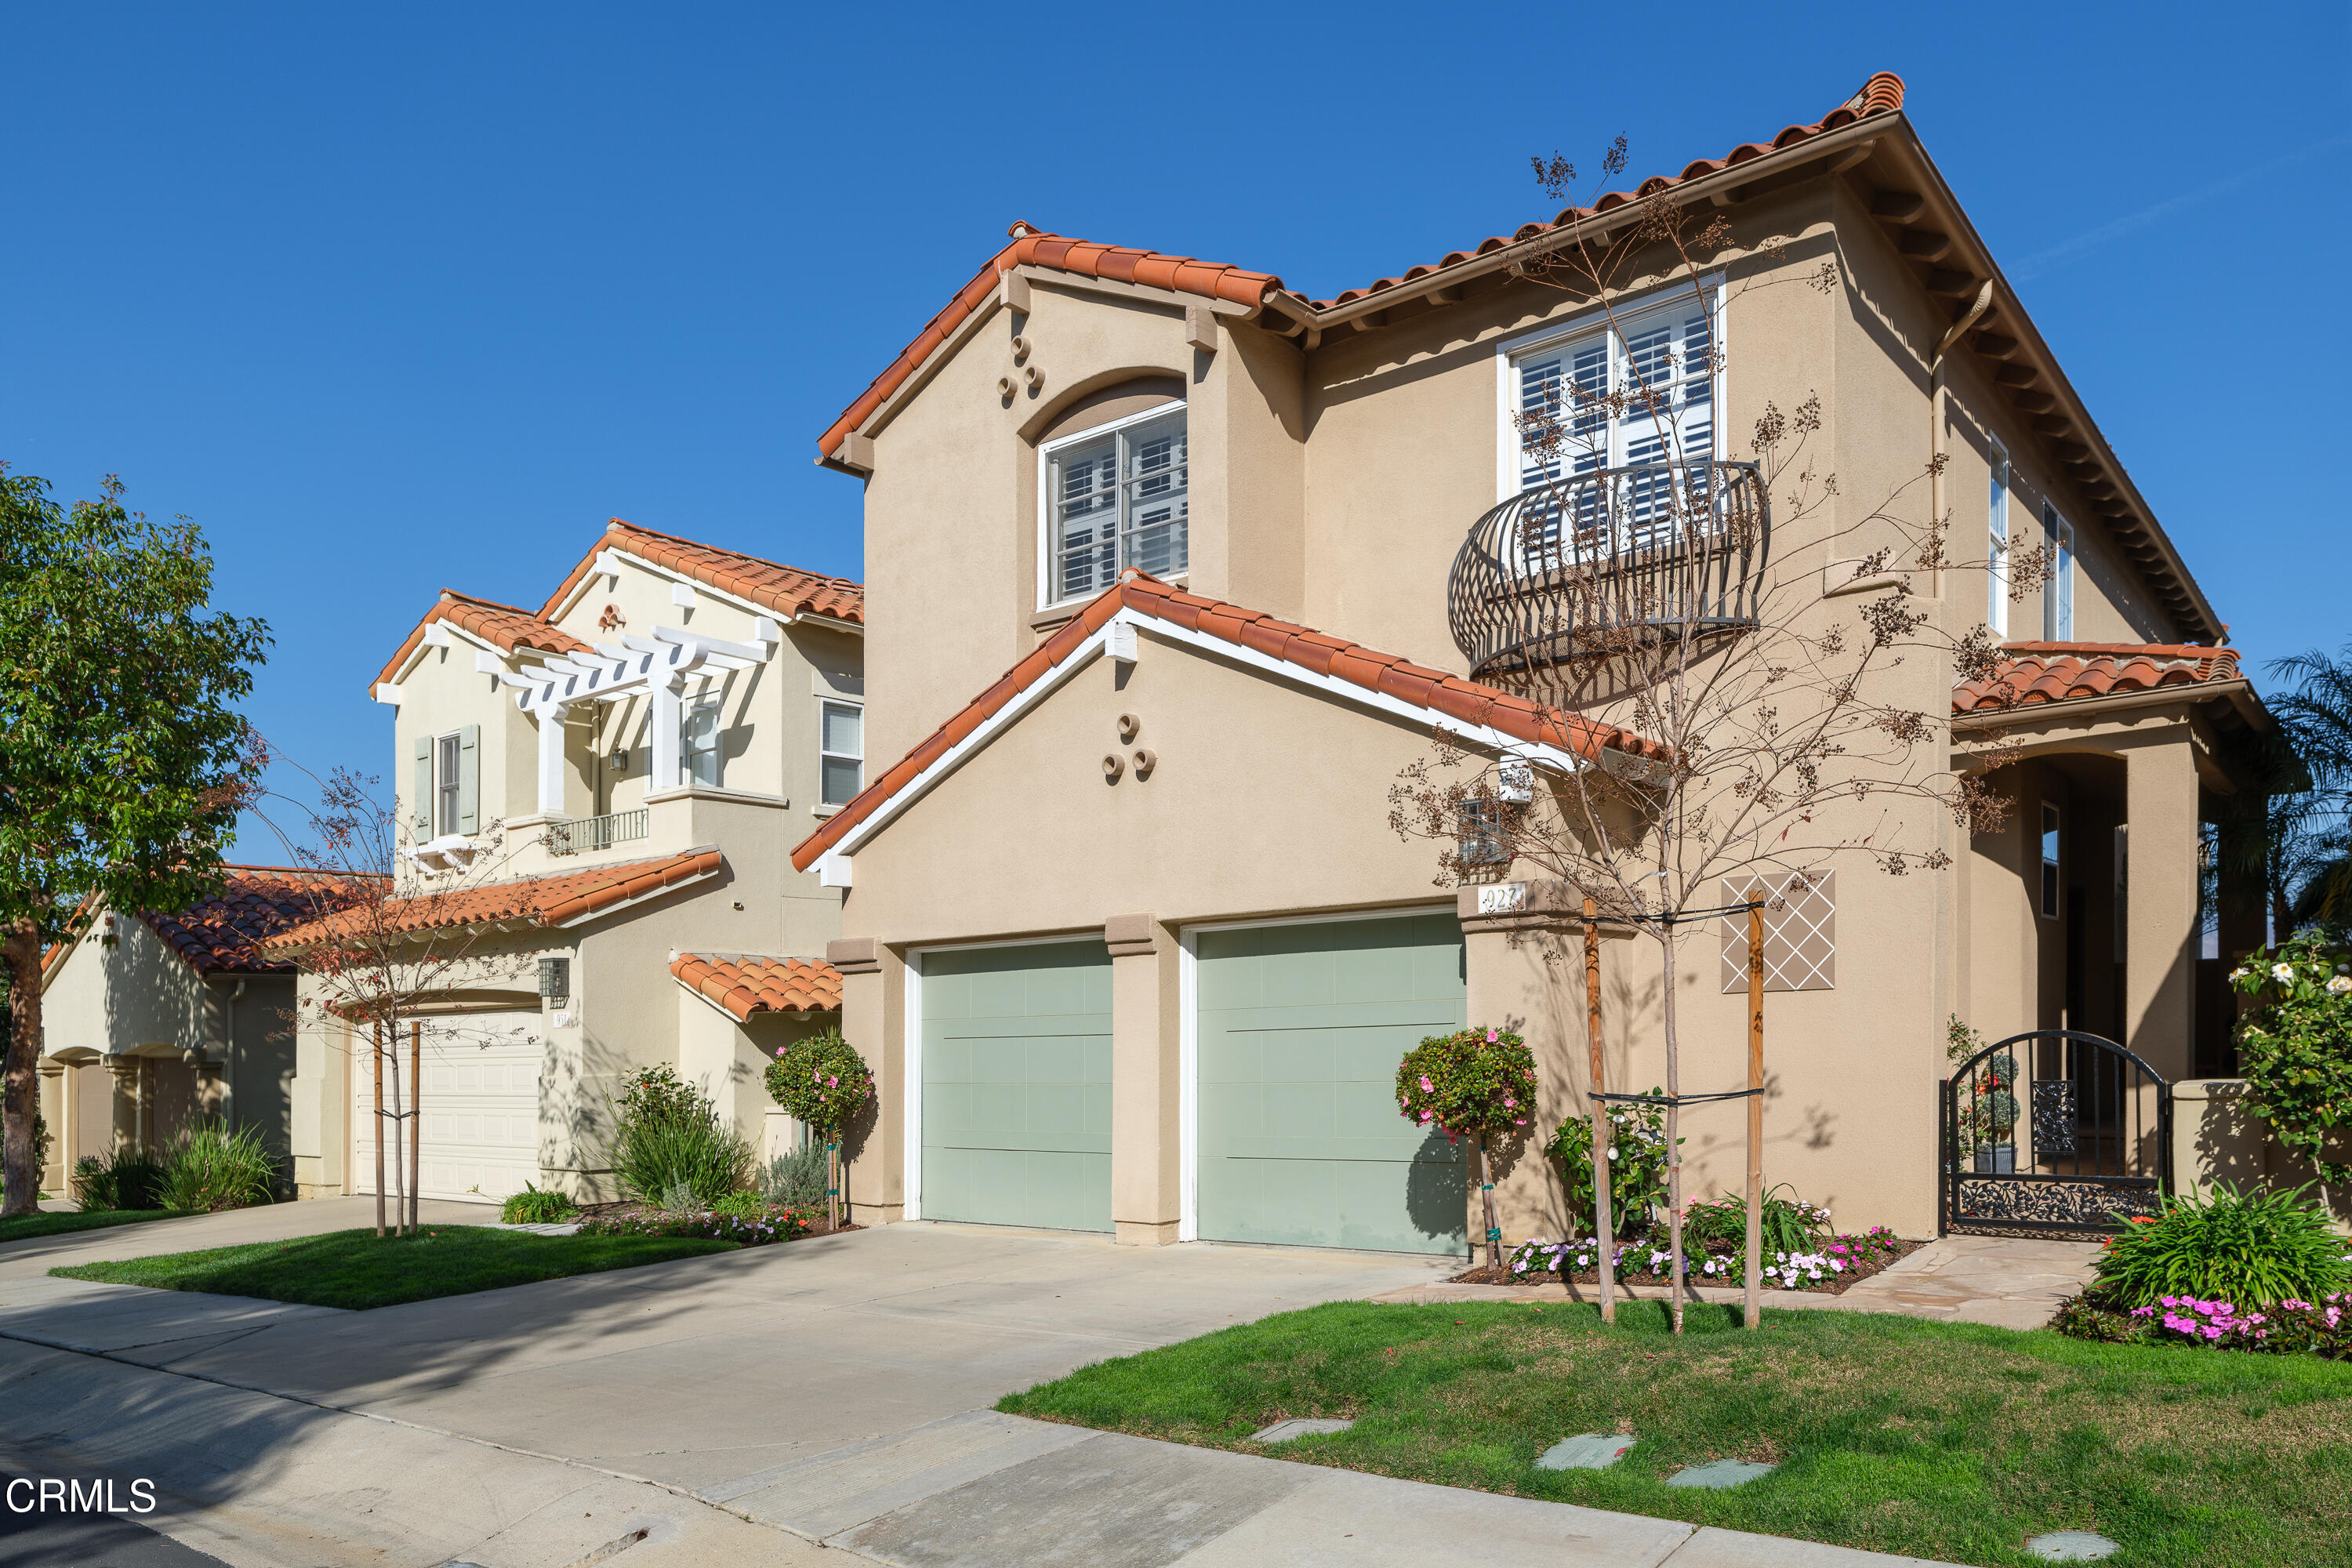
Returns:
point(419, 296)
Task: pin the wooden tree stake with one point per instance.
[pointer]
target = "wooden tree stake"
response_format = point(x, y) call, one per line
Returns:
point(377, 1034)
point(1755, 1316)
point(1604, 1237)
point(415, 1118)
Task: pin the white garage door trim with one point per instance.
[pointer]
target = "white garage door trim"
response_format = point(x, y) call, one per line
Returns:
point(911, 1076)
point(1188, 1076)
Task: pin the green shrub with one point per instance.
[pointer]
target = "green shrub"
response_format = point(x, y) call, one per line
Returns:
point(822, 1082)
point(796, 1179)
point(669, 1137)
point(208, 1168)
point(532, 1207)
point(741, 1205)
point(1637, 1164)
point(120, 1179)
point(1790, 1225)
point(2295, 1044)
point(748, 1230)
point(2253, 1249)
point(1472, 1083)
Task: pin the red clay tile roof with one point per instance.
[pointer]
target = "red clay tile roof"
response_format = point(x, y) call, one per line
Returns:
point(2034, 673)
point(787, 590)
point(1182, 274)
point(1312, 650)
point(1882, 94)
point(744, 984)
point(504, 625)
point(225, 933)
point(552, 901)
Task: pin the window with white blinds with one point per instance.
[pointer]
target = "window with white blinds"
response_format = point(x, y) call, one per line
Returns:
point(1636, 393)
point(1116, 498)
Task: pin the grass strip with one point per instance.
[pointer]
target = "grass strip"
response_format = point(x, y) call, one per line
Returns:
point(23, 1227)
point(1949, 1441)
point(358, 1269)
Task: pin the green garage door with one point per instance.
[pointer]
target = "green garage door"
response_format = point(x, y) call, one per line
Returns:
point(1016, 1086)
point(1301, 1028)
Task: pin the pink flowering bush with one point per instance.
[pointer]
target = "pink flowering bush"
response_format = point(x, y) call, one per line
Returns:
point(2290, 1327)
point(822, 1082)
point(1474, 1083)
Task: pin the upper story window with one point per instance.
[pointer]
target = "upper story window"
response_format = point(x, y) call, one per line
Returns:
point(1634, 396)
point(446, 787)
point(2058, 594)
point(841, 753)
point(700, 761)
point(1996, 550)
point(1115, 498)
point(445, 777)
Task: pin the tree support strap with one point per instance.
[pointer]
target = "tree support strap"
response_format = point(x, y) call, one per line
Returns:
point(1675, 1099)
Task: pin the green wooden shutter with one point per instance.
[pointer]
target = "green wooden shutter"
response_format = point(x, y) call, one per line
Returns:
point(421, 806)
point(469, 779)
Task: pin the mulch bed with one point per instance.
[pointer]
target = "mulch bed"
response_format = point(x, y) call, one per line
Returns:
point(1865, 1265)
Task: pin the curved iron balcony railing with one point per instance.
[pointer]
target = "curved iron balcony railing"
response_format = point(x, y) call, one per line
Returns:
point(1607, 562)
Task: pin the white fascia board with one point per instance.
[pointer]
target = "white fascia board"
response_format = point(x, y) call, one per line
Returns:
point(386, 692)
point(1481, 736)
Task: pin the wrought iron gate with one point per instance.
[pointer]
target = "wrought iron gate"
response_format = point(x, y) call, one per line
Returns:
point(2055, 1133)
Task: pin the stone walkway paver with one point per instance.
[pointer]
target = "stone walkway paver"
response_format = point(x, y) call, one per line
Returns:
point(2007, 1282)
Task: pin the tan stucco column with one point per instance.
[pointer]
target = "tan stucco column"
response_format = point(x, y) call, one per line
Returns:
point(1146, 1060)
point(57, 1115)
point(2160, 792)
point(874, 1020)
point(125, 1081)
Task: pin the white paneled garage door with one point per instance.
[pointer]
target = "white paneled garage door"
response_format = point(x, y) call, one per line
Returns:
point(482, 1109)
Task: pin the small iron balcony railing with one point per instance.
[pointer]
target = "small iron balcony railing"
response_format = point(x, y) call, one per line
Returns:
point(1607, 562)
point(595, 832)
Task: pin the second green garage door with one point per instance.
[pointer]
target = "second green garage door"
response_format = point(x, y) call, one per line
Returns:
point(1016, 1086)
point(1301, 1028)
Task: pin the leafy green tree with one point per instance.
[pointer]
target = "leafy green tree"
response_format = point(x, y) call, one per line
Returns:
point(123, 762)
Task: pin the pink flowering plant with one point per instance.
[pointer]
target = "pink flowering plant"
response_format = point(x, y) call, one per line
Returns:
point(1823, 1264)
point(1476, 1083)
point(821, 1082)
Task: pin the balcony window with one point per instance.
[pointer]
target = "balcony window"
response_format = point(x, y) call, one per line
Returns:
point(841, 753)
point(699, 751)
point(1116, 498)
point(1633, 397)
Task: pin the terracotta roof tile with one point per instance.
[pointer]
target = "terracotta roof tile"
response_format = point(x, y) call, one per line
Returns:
point(1211, 280)
point(503, 626)
point(745, 984)
point(1882, 94)
point(1309, 649)
point(2034, 673)
point(550, 901)
point(787, 590)
point(225, 932)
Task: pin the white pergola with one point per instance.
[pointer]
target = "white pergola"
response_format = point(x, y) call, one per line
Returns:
point(656, 665)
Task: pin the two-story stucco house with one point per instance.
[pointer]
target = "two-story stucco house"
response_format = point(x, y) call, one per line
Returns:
point(1128, 937)
point(635, 755)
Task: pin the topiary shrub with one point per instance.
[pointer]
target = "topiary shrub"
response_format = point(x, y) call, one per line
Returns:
point(1474, 1083)
point(822, 1082)
point(2249, 1249)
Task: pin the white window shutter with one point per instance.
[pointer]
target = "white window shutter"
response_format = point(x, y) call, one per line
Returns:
point(420, 805)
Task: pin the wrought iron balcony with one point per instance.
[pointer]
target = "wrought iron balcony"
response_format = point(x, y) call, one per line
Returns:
point(1607, 562)
point(595, 832)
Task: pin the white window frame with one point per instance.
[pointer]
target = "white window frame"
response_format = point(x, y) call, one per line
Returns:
point(823, 754)
point(1997, 548)
point(1510, 351)
point(448, 784)
point(2050, 892)
point(2058, 594)
point(1046, 450)
point(685, 753)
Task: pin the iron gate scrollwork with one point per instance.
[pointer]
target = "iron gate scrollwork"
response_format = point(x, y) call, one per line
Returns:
point(2055, 1133)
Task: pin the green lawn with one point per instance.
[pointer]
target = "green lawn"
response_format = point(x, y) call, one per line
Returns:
point(31, 1225)
point(1938, 1441)
point(355, 1269)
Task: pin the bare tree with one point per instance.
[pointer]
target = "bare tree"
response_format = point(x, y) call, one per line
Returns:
point(396, 941)
point(1639, 583)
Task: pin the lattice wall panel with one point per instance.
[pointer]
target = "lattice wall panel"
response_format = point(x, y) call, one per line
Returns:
point(1799, 932)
